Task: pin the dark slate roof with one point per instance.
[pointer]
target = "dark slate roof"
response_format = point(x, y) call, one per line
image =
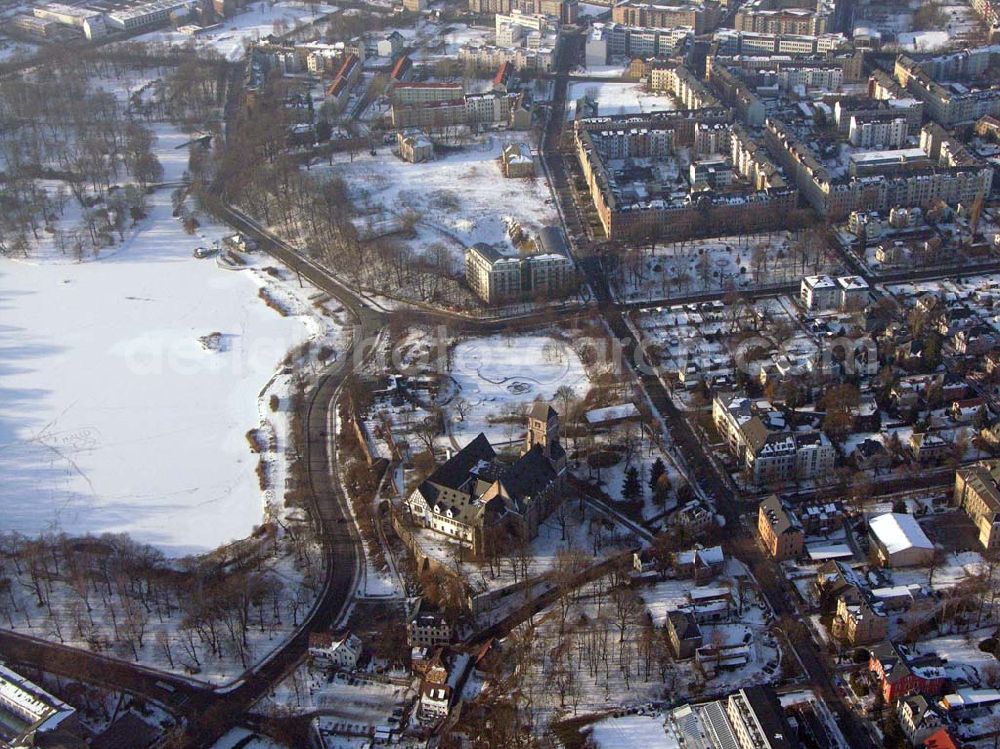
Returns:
point(771, 717)
point(128, 732)
point(553, 240)
point(684, 624)
point(530, 475)
point(756, 433)
point(780, 519)
point(455, 471)
point(488, 251)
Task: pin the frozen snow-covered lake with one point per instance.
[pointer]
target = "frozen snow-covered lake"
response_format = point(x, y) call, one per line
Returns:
point(113, 415)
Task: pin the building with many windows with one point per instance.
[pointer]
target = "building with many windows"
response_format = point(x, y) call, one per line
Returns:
point(474, 496)
point(145, 15)
point(701, 16)
point(779, 529)
point(633, 203)
point(977, 492)
point(883, 180)
point(497, 278)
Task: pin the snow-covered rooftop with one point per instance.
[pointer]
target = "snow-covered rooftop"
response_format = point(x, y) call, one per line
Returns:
point(898, 532)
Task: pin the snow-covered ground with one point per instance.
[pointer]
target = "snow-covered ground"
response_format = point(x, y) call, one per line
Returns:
point(679, 268)
point(499, 375)
point(259, 20)
point(632, 731)
point(461, 197)
point(241, 738)
point(119, 415)
point(617, 98)
point(924, 41)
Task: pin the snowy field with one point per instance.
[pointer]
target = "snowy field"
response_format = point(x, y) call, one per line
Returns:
point(256, 22)
point(632, 731)
point(130, 382)
point(11, 49)
point(500, 376)
point(461, 198)
point(617, 98)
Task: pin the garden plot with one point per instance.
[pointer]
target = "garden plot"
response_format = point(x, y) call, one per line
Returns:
point(694, 266)
point(455, 201)
point(499, 377)
point(617, 98)
point(172, 361)
point(259, 20)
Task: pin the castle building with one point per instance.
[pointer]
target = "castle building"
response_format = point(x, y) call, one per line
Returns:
point(474, 496)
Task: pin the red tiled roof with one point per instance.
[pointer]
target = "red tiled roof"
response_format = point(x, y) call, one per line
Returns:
point(940, 739)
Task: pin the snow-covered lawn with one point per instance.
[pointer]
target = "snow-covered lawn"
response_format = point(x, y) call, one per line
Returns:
point(259, 20)
point(461, 196)
point(120, 415)
point(499, 375)
point(617, 97)
point(587, 532)
point(632, 731)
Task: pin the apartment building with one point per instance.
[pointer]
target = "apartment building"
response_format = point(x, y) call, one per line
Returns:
point(702, 17)
point(779, 529)
point(752, 162)
point(757, 720)
point(516, 161)
point(563, 11)
point(735, 93)
point(619, 200)
point(935, 81)
point(496, 278)
point(490, 57)
point(977, 492)
point(859, 623)
point(607, 40)
point(879, 182)
point(92, 23)
point(794, 21)
point(825, 292)
point(31, 717)
point(406, 94)
point(681, 83)
point(144, 15)
point(877, 129)
point(414, 146)
point(733, 42)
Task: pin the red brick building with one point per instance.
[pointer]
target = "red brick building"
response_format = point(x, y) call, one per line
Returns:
point(899, 674)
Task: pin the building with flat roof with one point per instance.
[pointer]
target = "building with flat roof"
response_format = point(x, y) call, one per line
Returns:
point(27, 710)
point(145, 15)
